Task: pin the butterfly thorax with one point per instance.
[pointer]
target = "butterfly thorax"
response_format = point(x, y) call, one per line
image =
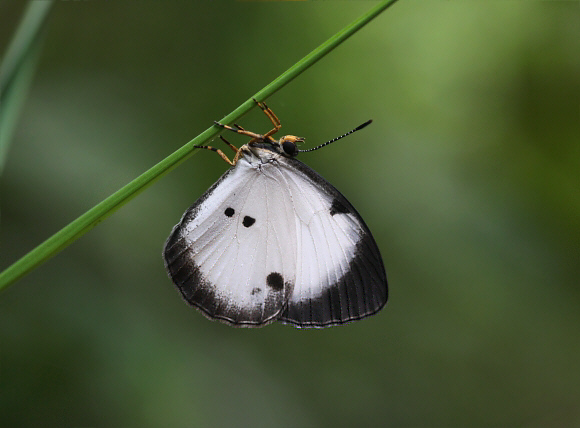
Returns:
point(269, 149)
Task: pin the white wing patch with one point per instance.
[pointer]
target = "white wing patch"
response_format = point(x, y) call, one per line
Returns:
point(326, 243)
point(275, 241)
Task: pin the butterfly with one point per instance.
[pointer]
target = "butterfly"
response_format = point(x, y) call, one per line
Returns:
point(272, 240)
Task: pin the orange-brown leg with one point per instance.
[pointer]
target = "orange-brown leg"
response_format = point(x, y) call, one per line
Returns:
point(219, 152)
point(240, 131)
point(273, 118)
point(234, 148)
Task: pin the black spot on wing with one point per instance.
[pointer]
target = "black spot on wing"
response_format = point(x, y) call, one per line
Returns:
point(275, 281)
point(248, 221)
point(229, 212)
point(338, 207)
point(199, 292)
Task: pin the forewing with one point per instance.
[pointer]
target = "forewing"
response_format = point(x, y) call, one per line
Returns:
point(233, 254)
point(340, 275)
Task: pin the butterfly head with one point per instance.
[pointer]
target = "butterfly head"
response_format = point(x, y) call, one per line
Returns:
point(287, 145)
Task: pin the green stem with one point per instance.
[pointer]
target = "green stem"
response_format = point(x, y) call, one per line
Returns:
point(87, 221)
point(27, 32)
point(17, 70)
point(13, 99)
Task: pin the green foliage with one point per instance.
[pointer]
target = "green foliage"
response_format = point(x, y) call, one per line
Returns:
point(17, 70)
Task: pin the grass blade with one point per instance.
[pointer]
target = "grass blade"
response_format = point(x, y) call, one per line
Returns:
point(17, 70)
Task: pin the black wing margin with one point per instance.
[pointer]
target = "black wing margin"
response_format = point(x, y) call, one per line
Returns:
point(360, 292)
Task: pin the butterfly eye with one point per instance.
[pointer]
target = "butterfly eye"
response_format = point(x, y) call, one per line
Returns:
point(289, 148)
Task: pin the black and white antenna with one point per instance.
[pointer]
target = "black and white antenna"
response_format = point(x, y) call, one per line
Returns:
point(358, 128)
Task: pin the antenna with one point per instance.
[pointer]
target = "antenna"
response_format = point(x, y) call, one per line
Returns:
point(358, 128)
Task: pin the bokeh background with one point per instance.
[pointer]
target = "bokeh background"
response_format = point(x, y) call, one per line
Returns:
point(468, 177)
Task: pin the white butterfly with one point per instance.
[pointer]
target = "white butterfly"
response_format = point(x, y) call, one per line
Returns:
point(272, 240)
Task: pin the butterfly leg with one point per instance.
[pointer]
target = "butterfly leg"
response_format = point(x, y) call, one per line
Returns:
point(273, 118)
point(234, 148)
point(255, 137)
point(240, 130)
point(219, 152)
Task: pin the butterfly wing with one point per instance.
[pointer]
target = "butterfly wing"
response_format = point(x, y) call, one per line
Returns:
point(340, 275)
point(276, 241)
point(233, 254)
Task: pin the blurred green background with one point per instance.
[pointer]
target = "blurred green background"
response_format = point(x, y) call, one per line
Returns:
point(468, 177)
